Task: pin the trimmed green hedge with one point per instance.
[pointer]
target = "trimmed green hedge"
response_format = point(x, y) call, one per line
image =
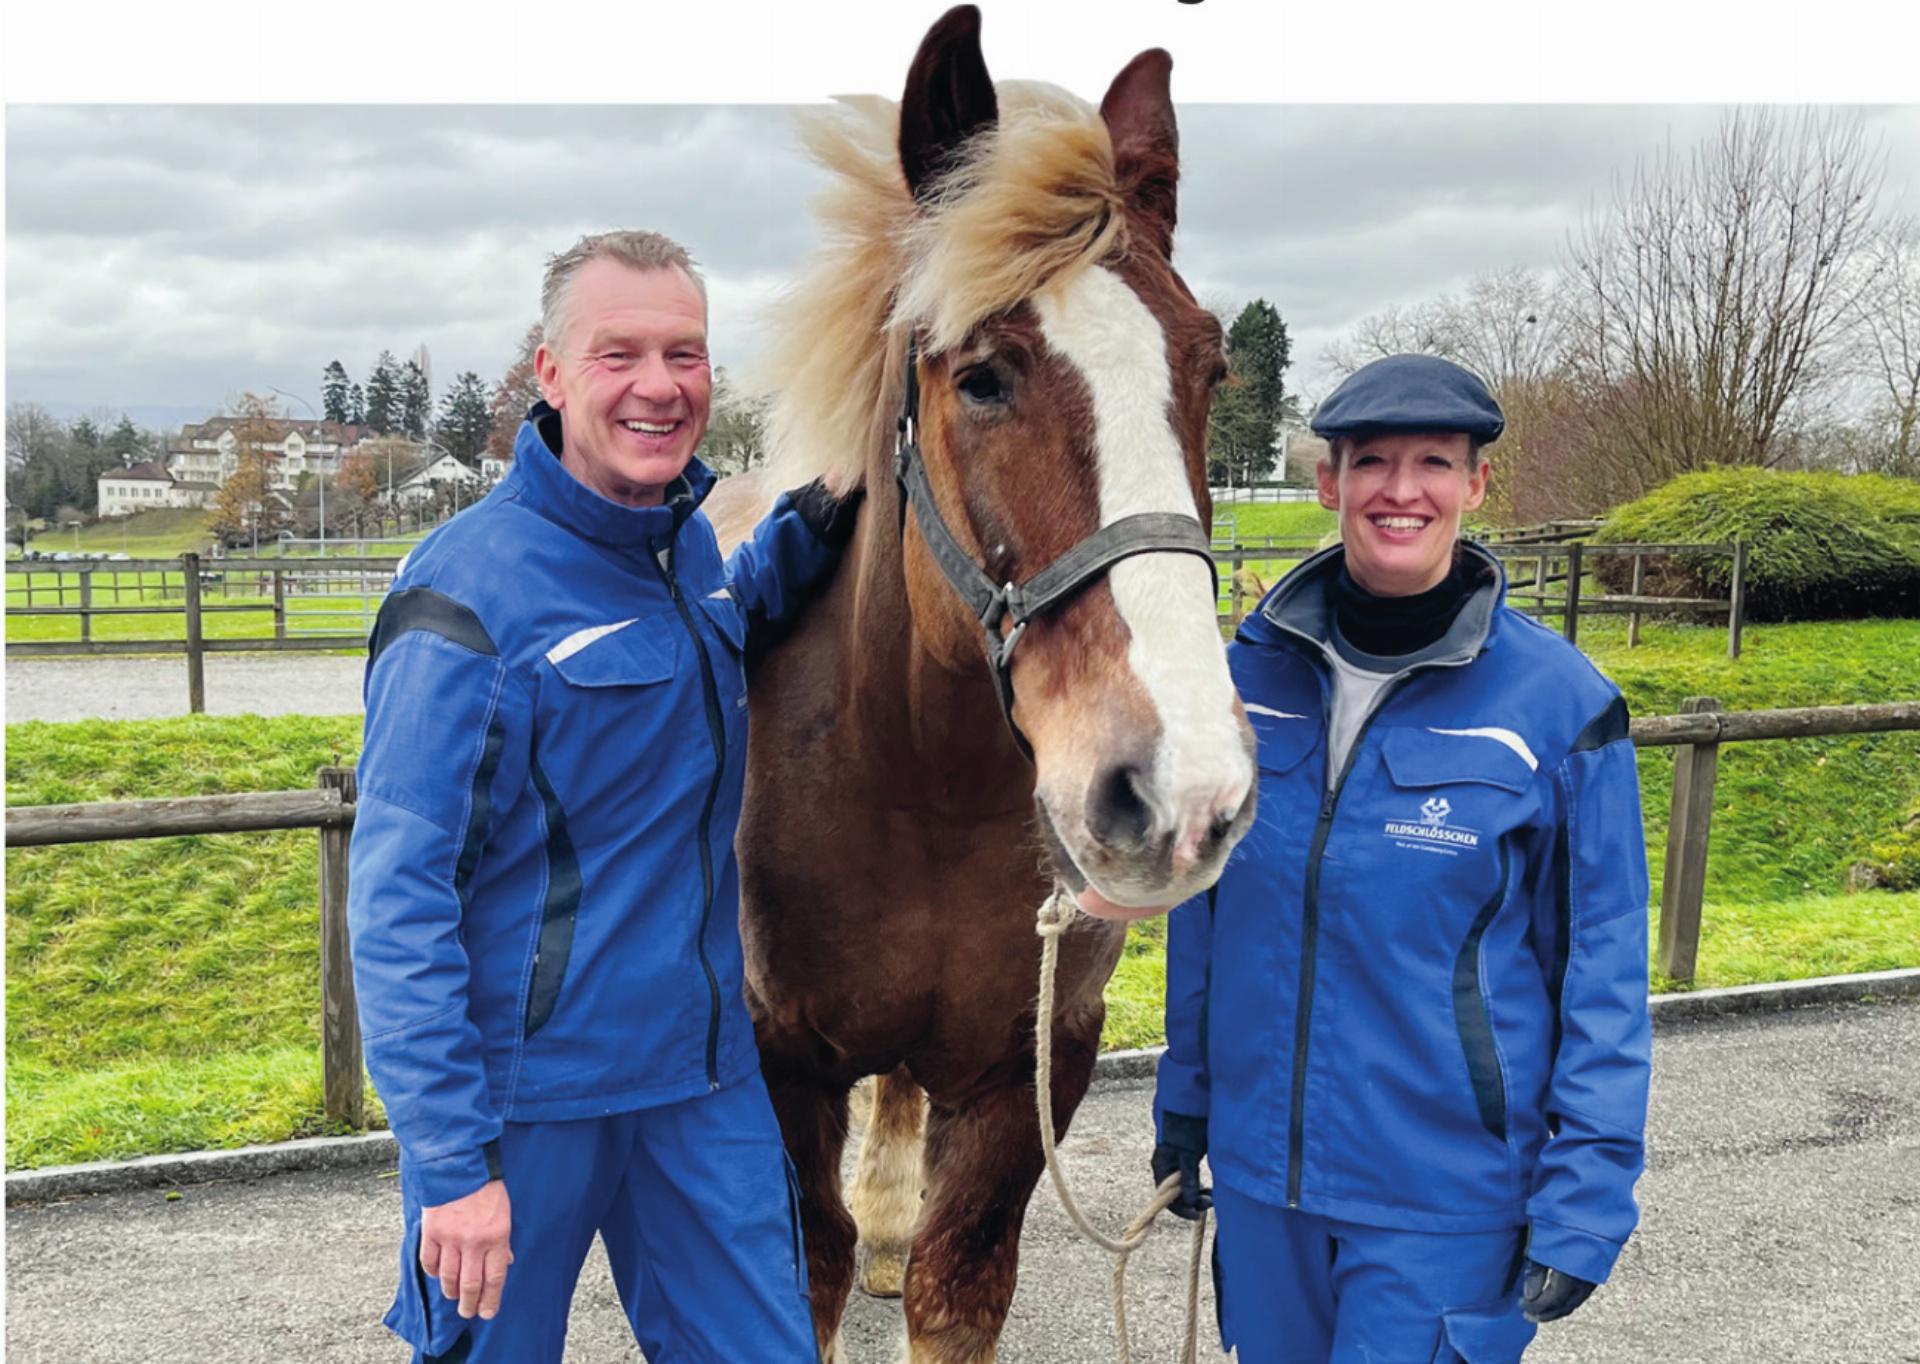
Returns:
point(1824, 546)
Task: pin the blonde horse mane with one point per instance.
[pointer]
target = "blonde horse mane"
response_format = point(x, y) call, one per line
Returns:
point(1030, 202)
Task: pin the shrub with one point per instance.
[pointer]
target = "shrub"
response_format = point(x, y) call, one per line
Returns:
point(1824, 546)
point(1893, 861)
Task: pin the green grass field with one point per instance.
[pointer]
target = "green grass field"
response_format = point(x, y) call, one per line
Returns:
point(164, 994)
point(158, 534)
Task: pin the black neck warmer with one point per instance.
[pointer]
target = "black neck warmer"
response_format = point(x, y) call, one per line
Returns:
point(1392, 626)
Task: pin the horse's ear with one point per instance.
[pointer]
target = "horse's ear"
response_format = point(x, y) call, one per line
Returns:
point(1146, 141)
point(949, 98)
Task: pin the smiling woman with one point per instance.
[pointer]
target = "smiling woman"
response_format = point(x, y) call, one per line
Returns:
point(1455, 786)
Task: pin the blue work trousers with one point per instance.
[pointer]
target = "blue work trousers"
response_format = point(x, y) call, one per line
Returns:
point(698, 1209)
point(1294, 1288)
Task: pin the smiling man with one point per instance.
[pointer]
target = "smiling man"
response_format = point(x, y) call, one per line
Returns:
point(543, 900)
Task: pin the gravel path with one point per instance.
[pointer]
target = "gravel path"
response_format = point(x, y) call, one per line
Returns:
point(1778, 1224)
point(150, 688)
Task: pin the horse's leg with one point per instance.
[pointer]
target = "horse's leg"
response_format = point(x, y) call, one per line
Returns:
point(813, 1119)
point(887, 1186)
point(983, 1159)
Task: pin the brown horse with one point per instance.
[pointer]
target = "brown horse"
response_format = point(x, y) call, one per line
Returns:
point(896, 840)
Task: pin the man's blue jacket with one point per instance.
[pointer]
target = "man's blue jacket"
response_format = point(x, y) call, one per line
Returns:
point(1418, 996)
point(542, 886)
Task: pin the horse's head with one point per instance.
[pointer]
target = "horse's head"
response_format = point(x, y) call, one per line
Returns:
point(1064, 377)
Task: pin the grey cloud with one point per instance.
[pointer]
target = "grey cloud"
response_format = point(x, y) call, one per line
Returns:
point(179, 254)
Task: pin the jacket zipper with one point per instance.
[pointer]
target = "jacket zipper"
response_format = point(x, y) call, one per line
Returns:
point(717, 731)
point(1310, 921)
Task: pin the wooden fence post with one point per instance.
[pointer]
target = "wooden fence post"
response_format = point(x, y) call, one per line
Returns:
point(1570, 626)
point(279, 604)
point(1737, 611)
point(1236, 595)
point(196, 657)
point(1633, 617)
point(340, 1058)
point(86, 605)
point(1688, 825)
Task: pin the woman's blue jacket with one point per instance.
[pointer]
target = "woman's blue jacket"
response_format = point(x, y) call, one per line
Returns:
point(1428, 1004)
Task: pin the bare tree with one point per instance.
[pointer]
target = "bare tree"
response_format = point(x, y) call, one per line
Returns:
point(1888, 339)
point(1509, 327)
point(1710, 294)
point(513, 393)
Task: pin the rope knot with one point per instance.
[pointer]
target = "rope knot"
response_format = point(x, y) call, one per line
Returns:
point(1056, 914)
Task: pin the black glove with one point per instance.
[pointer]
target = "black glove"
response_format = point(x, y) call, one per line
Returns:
point(1550, 1294)
point(1183, 1140)
point(829, 517)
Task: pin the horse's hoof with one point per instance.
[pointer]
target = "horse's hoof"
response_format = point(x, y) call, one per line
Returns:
point(885, 1273)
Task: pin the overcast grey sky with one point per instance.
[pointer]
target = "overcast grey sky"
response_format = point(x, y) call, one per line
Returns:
point(172, 256)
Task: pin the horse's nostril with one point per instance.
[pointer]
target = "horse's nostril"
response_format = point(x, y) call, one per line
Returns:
point(1116, 814)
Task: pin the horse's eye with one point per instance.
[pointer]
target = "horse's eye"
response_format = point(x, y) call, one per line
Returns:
point(981, 385)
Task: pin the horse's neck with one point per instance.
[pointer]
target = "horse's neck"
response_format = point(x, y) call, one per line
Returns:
point(913, 709)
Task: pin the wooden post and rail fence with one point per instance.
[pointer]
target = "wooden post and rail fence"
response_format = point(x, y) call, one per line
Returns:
point(1698, 731)
point(194, 589)
point(1545, 563)
point(365, 579)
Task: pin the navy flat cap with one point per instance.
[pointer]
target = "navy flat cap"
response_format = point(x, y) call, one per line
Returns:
point(1410, 393)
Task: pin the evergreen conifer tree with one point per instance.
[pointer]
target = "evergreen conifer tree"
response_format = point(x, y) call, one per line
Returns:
point(416, 402)
point(384, 411)
point(336, 393)
point(465, 421)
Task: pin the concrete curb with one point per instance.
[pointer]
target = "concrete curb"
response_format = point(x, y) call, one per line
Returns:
point(1114, 1068)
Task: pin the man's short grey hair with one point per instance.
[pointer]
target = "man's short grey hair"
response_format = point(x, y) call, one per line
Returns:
point(643, 251)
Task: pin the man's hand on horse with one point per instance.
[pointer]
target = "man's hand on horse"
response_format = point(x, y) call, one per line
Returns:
point(1183, 1141)
point(465, 1245)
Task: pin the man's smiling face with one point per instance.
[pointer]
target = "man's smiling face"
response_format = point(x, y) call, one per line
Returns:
point(630, 378)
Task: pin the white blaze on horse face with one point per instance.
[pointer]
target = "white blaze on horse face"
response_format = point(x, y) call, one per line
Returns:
point(1107, 332)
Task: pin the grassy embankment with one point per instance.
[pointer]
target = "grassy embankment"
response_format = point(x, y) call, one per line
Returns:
point(163, 994)
point(158, 534)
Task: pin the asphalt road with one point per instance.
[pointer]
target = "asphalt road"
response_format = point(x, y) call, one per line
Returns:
point(1781, 1224)
point(151, 688)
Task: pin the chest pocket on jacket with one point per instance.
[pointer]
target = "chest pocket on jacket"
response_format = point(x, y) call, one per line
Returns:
point(635, 655)
point(1426, 757)
point(1454, 794)
point(1284, 739)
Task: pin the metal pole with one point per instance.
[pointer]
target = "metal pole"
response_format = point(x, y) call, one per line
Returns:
point(1633, 617)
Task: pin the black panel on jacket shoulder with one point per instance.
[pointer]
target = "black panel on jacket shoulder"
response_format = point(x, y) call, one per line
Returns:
point(422, 608)
point(1609, 726)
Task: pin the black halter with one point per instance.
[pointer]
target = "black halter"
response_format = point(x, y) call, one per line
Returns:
point(1044, 591)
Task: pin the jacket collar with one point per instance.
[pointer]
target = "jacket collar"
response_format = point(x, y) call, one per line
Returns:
point(1299, 608)
point(544, 484)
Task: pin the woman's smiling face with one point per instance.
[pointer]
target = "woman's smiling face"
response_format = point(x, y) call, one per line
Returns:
point(1400, 497)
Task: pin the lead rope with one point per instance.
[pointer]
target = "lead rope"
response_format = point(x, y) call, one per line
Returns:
point(1056, 912)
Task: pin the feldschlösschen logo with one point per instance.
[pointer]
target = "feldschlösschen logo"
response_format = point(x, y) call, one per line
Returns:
point(1432, 833)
